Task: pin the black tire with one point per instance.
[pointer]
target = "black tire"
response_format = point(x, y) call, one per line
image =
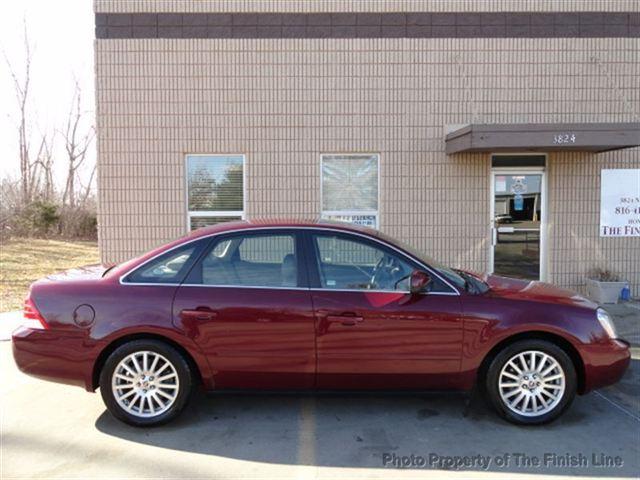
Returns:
point(181, 366)
point(492, 389)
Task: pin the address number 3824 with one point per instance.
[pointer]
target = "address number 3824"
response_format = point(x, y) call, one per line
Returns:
point(564, 138)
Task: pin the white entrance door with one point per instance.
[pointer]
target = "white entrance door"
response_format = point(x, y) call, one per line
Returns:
point(518, 220)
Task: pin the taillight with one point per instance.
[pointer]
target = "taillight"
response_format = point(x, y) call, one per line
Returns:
point(31, 317)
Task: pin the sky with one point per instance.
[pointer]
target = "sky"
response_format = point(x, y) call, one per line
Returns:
point(61, 33)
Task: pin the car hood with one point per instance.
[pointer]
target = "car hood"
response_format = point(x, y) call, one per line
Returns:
point(535, 291)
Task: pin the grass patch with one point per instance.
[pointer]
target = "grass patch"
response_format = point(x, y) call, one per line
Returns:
point(25, 260)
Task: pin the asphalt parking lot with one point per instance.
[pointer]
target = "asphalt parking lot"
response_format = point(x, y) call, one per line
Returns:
point(55, 431)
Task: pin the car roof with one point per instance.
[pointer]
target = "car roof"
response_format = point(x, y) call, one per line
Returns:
point(254, 223)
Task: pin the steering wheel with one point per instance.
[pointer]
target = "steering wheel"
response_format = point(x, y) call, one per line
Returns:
point(386, 266)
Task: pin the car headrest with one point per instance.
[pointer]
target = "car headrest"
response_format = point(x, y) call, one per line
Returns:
point(289, 271)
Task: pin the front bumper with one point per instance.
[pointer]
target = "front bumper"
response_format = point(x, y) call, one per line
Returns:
point(57, 356)
point(604, 363)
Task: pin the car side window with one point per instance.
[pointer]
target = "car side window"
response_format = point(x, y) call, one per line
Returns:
point(352, 264)
point(170, 267)
point(255, 260)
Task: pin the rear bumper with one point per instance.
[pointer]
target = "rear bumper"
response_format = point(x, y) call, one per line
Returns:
point(61, 357)
point(605, 363)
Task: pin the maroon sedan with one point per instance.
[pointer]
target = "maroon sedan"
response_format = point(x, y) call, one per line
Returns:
point(308, 305)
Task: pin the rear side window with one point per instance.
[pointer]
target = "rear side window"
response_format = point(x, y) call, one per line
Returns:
point(264, 260)
point(170, 267)
point(266, 249)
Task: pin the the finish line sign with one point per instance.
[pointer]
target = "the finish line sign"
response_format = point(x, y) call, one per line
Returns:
point(620, 203)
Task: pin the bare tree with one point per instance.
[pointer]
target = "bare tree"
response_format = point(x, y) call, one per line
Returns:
point(34, 203)
point(43, 169)
point(84, 197)
point(76, 145)
point(21, 88)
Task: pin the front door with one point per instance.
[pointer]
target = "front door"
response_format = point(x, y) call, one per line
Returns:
point(371, 333)
point(517, 223)
point(245, 305)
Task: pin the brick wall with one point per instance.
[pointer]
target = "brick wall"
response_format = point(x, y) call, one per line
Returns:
point(283, 102)
point(575, 246)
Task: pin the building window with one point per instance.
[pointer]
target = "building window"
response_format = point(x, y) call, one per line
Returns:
point(350, 188)
point(215, 189)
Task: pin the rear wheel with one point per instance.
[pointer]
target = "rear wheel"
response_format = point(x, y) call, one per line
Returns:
point(531, 382)
point(145, 382)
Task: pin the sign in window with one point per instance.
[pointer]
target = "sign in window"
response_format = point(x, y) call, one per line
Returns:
point(620, 202)
point(350, 185)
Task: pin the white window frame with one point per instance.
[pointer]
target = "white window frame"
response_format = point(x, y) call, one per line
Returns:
point(332, 213)
point(215, 213)
point(543, 171)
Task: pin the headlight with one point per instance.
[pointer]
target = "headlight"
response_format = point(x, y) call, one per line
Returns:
point(607, 323)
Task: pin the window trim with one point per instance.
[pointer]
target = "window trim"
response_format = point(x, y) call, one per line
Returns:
point(324, 213)
point(454, 291)
point(214, 213)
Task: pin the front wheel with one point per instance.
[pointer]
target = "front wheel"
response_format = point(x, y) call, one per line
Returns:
point(145, 382)
point(531, 382)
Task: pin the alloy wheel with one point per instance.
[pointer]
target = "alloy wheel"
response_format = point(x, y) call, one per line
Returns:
point(531, 383)
point(145, 384)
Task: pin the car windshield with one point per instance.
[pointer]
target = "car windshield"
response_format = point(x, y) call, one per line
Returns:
point(448, 273)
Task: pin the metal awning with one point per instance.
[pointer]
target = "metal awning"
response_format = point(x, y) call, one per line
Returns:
point(543, 137)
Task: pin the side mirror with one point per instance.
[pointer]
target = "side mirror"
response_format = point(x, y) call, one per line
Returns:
point(419, 281)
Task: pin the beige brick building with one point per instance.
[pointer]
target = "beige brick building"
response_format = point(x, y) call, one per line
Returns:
point(212, 110)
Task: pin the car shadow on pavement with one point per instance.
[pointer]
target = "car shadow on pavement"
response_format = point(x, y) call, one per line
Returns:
point(414, 431)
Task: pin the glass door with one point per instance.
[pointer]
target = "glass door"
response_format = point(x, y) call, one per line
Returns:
point(517, 218)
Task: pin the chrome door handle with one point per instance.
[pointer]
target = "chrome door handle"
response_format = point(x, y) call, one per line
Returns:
point(347, 320)
point(202, 315)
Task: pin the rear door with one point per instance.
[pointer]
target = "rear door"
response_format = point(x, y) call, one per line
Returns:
point(247, 305)
point(371, 333)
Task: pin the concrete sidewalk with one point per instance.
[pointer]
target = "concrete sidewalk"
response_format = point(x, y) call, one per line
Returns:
point(9, 321)
point(627, 319)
